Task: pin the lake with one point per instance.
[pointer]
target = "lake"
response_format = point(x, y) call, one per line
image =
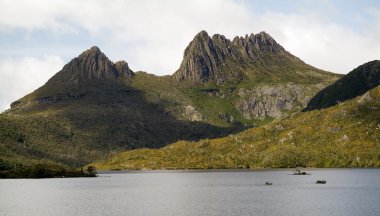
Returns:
point(223, 192)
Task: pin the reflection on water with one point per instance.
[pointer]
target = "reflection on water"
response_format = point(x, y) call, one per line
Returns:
point(347, 192)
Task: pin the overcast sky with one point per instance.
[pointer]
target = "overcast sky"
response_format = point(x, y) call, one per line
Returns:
point(37, 37)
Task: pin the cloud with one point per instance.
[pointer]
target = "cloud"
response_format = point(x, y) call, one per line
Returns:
point(22, 76)
point(322, 43)
point(150, 35)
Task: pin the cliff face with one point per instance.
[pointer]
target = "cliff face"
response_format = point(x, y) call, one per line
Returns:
point(267, 80)
point(217, 59)
point(273, 100)
point(204, 59)
point(92, 65)
point(251, 47)
point(90, 70)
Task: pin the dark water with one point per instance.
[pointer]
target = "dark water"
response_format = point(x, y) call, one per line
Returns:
point(347, 192)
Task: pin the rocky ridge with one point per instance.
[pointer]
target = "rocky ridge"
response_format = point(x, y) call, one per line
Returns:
point(219, 59)
point(92, 65)
point(92, 68)
point(93, 106)
point(355, 83)
point(204, 57)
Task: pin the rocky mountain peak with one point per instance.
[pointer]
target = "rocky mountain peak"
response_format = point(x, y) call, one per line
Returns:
point(200, 43)
point(92, 53)
point(94, 49)
point(218, 59)
point(201, 60)
point(202, 35)
point(123, 69)
point(92, 65)
point(265, 42)
point(219, 37)
point(222, 41)
point(258, 42)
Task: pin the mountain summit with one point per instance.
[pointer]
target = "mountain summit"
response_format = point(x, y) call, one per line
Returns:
point(259, 42)
point(205, 57)
point(94, 107)
point(92, 65)
point(91, 69)
point(255, 57)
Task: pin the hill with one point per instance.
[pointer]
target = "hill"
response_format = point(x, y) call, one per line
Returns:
point(355, 83)
point(345, 135)
point(94, 107)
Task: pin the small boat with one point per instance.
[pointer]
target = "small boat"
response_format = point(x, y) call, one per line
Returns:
point(268, 183)
point(321, 181)
point(299, 172)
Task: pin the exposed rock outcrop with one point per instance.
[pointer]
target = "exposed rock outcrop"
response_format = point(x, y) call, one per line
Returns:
point(92, 65)
point(367, 97)
point(91, 69)
point(254, 47)
point(123, 69)
point(204, 58)
point(272, 100)
point(219, 59)
point(192, 114)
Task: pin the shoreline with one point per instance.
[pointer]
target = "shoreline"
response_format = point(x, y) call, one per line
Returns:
point(224, 170)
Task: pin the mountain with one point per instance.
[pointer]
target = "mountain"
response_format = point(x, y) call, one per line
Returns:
point(248, 78)
point(345, 135)
point(89, 70)
point(92, 66)
point(253, 58)
point(357, 82)
point(94, 107)
point(91, 108)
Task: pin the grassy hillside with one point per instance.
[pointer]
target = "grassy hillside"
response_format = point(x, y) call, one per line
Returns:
point(211, 100)
point(77, 125)
point(357, 82)
point(83, 125)
point(29, 149)
point(75, 132)
point(94, 107)
point(346, 135)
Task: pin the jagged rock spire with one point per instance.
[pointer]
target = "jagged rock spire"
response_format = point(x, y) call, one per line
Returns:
point(203, 59)
point(218, 59)
point(123, 69)
point(92, 65)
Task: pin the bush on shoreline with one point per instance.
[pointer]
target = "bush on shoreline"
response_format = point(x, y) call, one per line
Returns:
point(9, 170)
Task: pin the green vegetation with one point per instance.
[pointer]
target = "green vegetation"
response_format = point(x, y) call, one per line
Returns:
point(346, 135)
point(104, 120)
point(39, 170)
point(96, 110)
point(90, 122)
point(93, 108)
point(355, 83)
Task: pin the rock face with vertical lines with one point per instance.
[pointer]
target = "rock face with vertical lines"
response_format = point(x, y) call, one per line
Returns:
point(273, 100)
point(205, 58)
point(92, 66)
point(255, 57)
